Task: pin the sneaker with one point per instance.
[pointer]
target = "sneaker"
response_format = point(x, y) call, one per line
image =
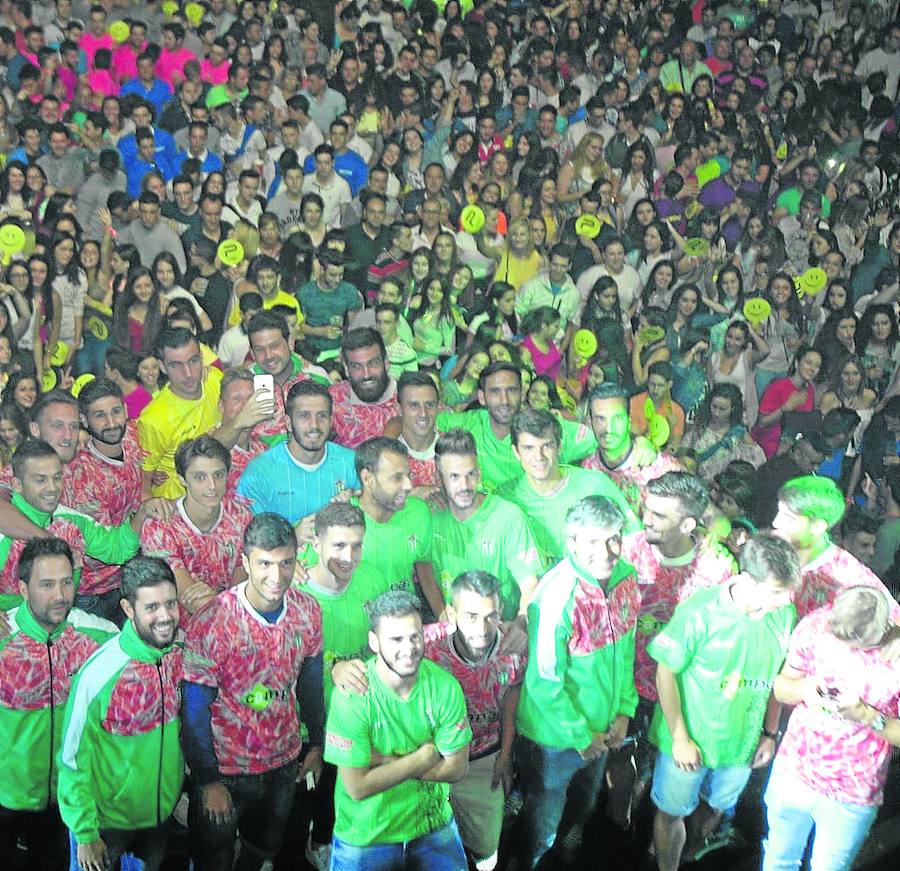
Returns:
point(724, 836)
point(318, 855)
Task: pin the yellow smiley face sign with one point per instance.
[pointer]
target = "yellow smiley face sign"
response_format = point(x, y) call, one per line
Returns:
point(230, 252)
point(651, 334)
point(585, 344)
point(12, 238)
point(813, 280)
point(658, 430)
point(169, 7)
point(696, 247)
point(756, 310)
point(48, 381)
point(194, 13)
point(471, 218)
point(81, 382)
point(60, 354)
point(119, 31)
point(588, 226)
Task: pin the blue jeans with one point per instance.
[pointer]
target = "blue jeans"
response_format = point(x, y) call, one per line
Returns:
point(793, 809)
point(129, 850)
point(677, 793)
point(262, 806)
point(559, 787)
point(440, 850)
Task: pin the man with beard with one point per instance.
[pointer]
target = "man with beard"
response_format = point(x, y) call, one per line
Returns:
point(672, 563)
point(343, 588)
point(251, 656)
point(419, 401)
point(630, 462)
point(491, 682)
point(398, 526)
point(39, 472)
point(481, 531)
point(500, 395)
point(547, 490)
point(121, 765)
point(270, 345)
point(808, 507)
point(367, 400)
point(201, 542)
point(37, 661)
point(397, 748)
point(297, 477)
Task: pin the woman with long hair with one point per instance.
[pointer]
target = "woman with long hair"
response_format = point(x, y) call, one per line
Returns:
point(22, 390)
point(878, 343)
point(539, 327)
point(656, 245)
point(636, 178)
point(46, 307)
point(847, 389)
point(719, 434)
point(742, 349)
point(15, 195)
point(138, 314)
point(433, 324)
point(784, 330)
point(517, 258)
point(581, 171)
point(13, 430)
point(659, 288)
point(460, 388)
point(168, 280)
point(312, 210)
point(70, 282)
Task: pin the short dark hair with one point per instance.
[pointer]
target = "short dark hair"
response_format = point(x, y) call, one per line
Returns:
point(535, 422)
point(477, 581)
point(144, 571)
point(494, 368)
point(97, 388)
point(301, 389)
point(413, 379)
point(361, 337)
point(174, 338)
point(269, 531)
point(689, 490)
point(124, 362)
point(455, 442)
point(38, 547)
point(393, 603)
point(338, 514)
point(608, 390)
point(267, 320)
point(202, 446)
point(368, 454)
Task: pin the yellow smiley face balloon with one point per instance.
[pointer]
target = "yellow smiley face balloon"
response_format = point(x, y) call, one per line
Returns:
point(588, 225)
point(12, 238)
point(471, 218)
point(585, 344)
point(756, 310)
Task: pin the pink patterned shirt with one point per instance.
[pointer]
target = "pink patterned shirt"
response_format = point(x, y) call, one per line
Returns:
point(484, 687)
point(632, 479)
point(664, 584)
point(829, 574)
point(254, 665)
point(354, 421)
point(843, 760)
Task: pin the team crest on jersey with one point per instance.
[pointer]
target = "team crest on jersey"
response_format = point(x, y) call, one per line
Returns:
point(229, 548)
point(487, 546)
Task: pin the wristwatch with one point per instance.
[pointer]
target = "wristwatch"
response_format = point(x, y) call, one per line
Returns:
point(878, 723)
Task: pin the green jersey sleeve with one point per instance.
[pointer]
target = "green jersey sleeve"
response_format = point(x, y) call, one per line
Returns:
point(452, 732)
point(678, 641)
point(578, 441)
point(113, 545)
point(347, 741)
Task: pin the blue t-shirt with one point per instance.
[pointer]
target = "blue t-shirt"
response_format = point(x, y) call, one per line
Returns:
point(274, 481)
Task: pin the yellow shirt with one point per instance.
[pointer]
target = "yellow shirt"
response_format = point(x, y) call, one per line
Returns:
point(518, 271)
point(168, 420)
point(280, 298)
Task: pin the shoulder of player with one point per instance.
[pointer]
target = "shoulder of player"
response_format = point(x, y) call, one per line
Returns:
point(303, 603)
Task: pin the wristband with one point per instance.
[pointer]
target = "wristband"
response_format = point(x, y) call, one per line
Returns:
point(773, 735)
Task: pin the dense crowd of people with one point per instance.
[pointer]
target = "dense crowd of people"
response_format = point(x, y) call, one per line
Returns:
point(426, 420)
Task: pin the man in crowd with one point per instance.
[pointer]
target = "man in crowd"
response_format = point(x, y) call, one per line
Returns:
point(397, 748)
point(250, 657)
point(31, 725)
point(575, 709)
point(295, 478)
point(120, 762)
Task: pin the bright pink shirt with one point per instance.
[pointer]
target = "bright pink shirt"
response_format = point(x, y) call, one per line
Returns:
point(776, 395)
point(124, 61)
point(843, 760)
point(215, 75)
point(90, 43)
point(171, 64)
point(545, 362)
point(102, 82)
point(137, 401)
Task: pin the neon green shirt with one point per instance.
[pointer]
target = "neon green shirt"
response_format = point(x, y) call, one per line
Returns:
point(495, 456)
point(547, 514)
point(495, 539)
point(380, 720)
point(391, 549)
point(726, 663)
point(345, 623)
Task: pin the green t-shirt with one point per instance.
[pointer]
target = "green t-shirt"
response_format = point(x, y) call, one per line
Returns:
point(790, 199)
point(380, 720)
point(495, 539)
point(726, 664)
point(321, 309)
point(345, 623)
point(391, 549)
point(495, 456)
point(547, 514)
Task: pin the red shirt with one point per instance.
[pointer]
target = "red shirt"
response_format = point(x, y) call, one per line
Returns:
point(354, 421)
point(254, 665)
point(632, 480)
